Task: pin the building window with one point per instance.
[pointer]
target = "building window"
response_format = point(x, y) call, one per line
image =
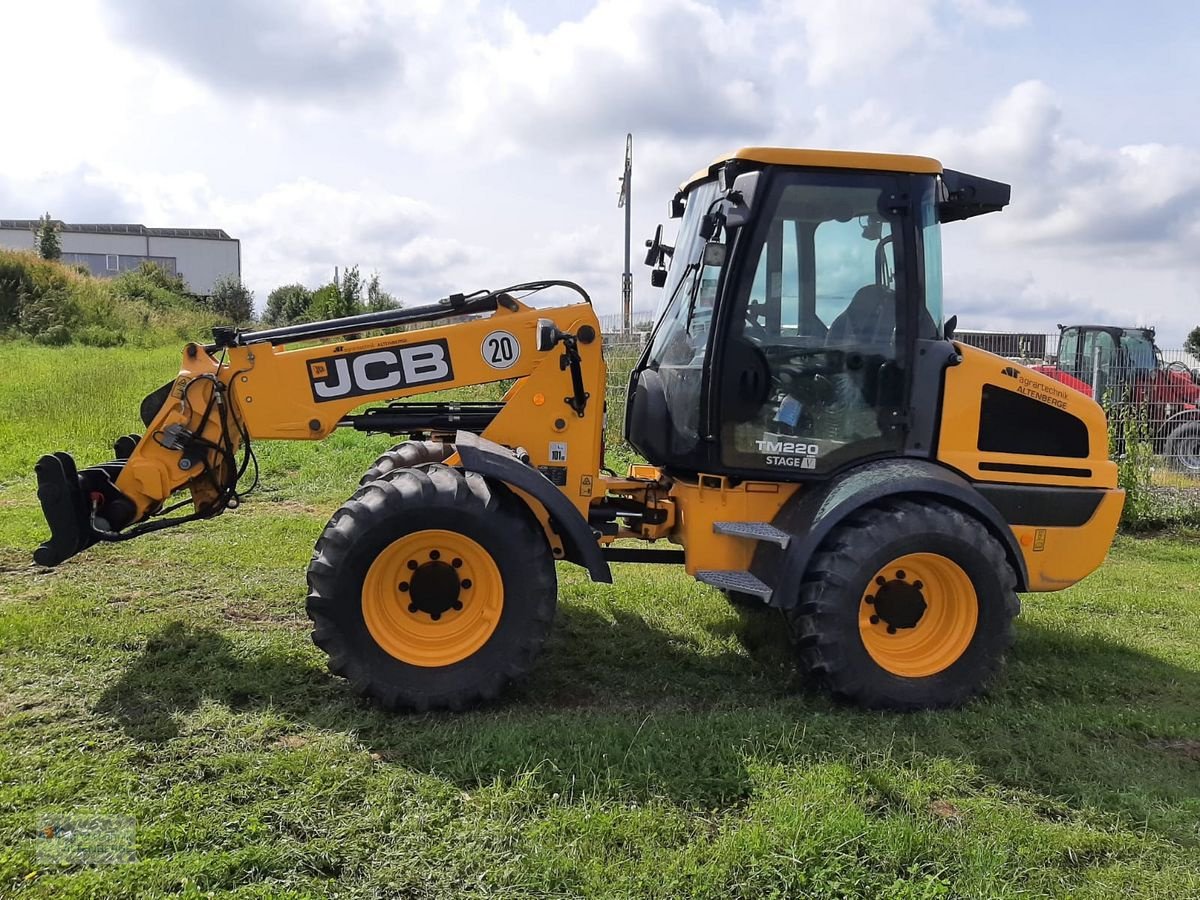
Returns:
point(112, 262)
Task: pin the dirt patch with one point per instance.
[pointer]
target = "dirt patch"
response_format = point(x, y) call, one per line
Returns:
point(291, 742)
point(1185, 747)
point(294, 506)
point(945, 810)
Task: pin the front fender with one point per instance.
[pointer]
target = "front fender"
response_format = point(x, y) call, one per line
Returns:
point(811, 515)
point(493, 460)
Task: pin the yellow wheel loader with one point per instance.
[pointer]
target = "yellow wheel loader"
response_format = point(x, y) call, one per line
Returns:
point(815, 442)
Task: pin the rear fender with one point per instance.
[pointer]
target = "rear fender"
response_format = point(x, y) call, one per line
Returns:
point(495, 461)
point(811, 515)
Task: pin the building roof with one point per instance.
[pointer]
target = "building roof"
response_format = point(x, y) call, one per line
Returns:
point(820, 159)
point(210, 234)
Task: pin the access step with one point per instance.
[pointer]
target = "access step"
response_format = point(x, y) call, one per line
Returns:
point(728, 580)
point(754, 531)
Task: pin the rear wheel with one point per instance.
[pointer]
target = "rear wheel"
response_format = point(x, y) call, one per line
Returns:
point(405, 456)
point(431, 588)
point(906, 606)
point(1183, 447)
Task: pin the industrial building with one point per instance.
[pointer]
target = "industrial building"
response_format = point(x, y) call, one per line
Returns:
point(199, 255)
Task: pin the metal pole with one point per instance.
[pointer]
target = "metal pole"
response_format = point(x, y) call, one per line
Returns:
point(626, 201)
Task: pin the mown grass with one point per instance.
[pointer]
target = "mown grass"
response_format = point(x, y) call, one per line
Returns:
point(663, 747)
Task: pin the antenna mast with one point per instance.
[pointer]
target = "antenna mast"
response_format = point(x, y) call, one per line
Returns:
point(626, 200)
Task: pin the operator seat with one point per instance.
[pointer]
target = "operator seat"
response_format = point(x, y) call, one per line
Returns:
point(869, 320)
point(866, 331)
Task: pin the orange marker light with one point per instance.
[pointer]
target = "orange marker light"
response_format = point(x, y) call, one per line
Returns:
point(539, 399)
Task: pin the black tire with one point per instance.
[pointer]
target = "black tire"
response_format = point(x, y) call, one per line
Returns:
point(825, 623)
point(406, 502)
point(1183, 447)
point(406, 456)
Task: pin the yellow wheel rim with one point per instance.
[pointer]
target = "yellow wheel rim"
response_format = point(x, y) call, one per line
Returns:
point(432, 598)
point(918, 615)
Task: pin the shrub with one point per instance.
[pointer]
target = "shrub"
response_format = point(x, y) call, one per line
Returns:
point(54, 336)
point(287, 304)
point(99, 336)
point(54, 303)
point(232, 300)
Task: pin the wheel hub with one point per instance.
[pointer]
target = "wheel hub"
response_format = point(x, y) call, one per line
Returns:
point(898, 603)
point(434, 587)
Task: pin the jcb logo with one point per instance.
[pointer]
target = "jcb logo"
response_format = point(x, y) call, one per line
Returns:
point(379, 371)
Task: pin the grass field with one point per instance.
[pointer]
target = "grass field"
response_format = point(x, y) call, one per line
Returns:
point(165, 695)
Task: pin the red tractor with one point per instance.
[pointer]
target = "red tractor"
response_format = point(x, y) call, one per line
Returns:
point(1124, 367)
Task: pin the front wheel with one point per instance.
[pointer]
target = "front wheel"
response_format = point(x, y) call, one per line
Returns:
point(906, 606)
point(431, 588)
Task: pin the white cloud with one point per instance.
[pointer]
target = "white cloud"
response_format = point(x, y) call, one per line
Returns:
point(452, 145)
point(306, 50)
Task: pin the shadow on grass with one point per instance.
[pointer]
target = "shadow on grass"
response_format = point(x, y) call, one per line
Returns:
point(619, 709)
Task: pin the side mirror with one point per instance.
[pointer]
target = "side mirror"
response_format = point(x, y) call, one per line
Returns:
point(658, 277)
point(949, 328)
point(741, 199)
point(548, 335)
point(714, 254)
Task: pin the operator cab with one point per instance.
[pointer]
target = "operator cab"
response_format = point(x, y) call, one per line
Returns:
point(1108, 358)
point(802, 291)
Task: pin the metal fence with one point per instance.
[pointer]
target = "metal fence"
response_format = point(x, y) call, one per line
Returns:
point(1151, 393)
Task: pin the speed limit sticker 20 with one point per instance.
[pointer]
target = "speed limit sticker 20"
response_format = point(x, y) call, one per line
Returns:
point(501, 350)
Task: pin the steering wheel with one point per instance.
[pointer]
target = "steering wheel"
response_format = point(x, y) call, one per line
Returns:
point(808, 383)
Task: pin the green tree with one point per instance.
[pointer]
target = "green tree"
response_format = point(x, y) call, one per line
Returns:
point(326, 303)
point(46, 241)
point(378, 299)
point(287, 304)
point(1192, 342)
point(232, 300)
point(351, 291)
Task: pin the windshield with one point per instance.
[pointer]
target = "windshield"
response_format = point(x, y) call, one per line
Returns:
point(1140, 348)
point(688, 243)
point(679, 345)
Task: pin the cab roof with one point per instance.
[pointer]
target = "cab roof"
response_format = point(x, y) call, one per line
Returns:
point(820, 159)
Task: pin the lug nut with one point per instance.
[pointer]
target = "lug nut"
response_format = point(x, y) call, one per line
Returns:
point(900, 574)
point(435, 616)
point(881, 581)
point(874, 620)
point(412, 564)
point(404, 585)
point(433, 554)
point(457, 563)
point(891, 629)
point(918, 585)
point(869, 600)
point(457, 604)
point(466, 582)
point(412, 607)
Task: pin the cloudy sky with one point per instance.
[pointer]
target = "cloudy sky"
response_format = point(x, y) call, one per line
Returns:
point(454, 145)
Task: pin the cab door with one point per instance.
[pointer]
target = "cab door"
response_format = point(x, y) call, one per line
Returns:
point(818, 326)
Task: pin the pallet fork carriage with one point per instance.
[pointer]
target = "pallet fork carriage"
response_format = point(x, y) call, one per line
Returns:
point(816, 443)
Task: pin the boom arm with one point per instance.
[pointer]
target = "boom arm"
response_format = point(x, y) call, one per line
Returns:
point(251, 386)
